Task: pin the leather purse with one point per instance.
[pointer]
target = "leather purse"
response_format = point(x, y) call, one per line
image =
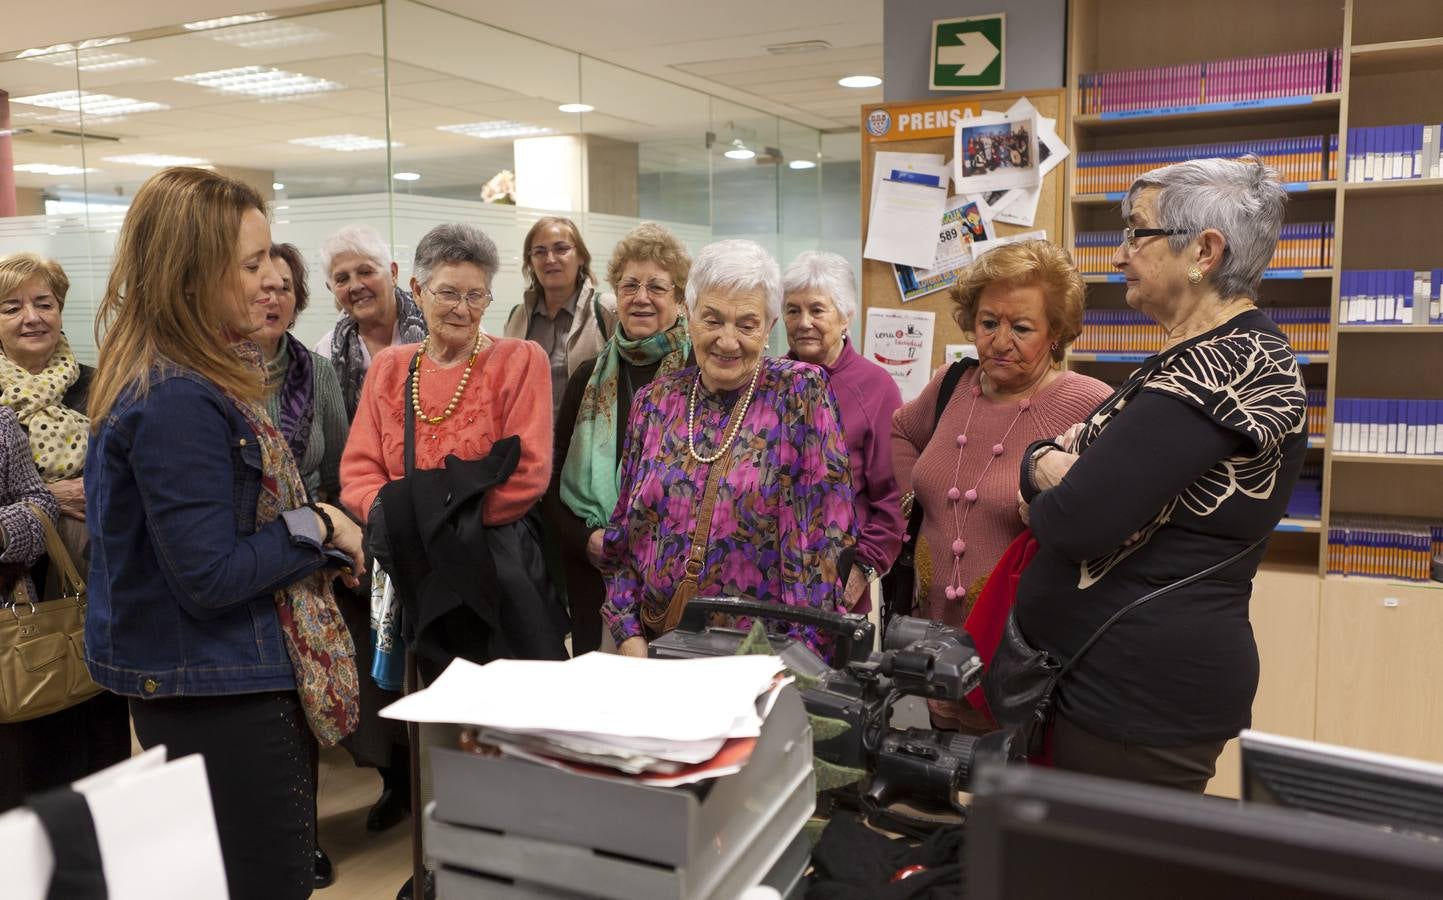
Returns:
point(42, 645)
point(657, 624)
point(1021, 681)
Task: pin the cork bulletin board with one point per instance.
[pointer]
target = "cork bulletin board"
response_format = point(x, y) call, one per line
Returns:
point(926, 127)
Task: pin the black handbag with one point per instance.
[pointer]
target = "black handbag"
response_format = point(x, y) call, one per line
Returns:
point(1020, 683)
point(899, 585)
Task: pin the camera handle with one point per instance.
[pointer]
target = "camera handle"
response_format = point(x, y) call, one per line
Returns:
point(855, 634)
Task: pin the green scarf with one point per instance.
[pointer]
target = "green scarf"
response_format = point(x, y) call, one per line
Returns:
point(589, 479)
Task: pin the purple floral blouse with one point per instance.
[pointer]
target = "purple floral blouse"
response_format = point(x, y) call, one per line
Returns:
point(783, 512)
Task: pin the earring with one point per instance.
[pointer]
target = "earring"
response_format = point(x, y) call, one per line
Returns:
point(1054, 346)
point(1194, 275)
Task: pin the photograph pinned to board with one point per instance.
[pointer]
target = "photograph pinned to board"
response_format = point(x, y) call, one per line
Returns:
point(1018, 206)
point(900, 341)
point(965, 221)
point(982, 248)
point(909, 194)
point(996, 151)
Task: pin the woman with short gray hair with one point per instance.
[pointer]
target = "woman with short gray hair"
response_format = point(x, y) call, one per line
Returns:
point(1187, 466)
point(820, 298)
point(735, 479)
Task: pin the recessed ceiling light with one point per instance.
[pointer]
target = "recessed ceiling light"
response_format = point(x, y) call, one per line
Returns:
point(157, 160)
point(496, 129)
point(407, 176)
point(345, 143)
point(261, 81)
point(207, 24)
point(90, 104)
point(576, 108)
point(739, 153)
point(801, 164)
point(268, 35)
point(859, 81)
point(48, 169)
point(93, 60)
point(277, 186)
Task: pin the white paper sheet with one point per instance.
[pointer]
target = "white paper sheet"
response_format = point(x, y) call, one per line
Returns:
point(900, 341)
point(1018, 206)
point(995, 151)
point(600, 695)
point(964, 220)
point(985, 247)
point(909, 193)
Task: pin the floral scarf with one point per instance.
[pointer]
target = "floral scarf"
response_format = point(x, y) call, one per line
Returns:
point(589, 480)
point(317, 642)
point(58, 434)
point(348, 351)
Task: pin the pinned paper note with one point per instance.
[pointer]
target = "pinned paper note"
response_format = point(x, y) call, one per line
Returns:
point(909, 194)
point(964, 222)
point(900, 341)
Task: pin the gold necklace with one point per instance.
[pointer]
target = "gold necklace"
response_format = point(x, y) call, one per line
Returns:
point(455, 396)
point(739, 412)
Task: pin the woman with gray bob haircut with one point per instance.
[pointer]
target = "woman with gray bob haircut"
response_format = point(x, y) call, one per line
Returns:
point(735, 480)
point(1187, 466)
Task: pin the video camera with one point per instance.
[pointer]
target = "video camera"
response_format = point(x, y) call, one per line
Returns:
point(918, 658)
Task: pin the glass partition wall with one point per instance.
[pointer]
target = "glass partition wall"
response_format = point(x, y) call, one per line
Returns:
point(400, 116)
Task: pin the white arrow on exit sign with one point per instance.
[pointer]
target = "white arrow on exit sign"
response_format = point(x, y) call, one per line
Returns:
point(972, 56)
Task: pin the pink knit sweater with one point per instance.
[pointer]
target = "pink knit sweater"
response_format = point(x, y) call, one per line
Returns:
point(929, 467)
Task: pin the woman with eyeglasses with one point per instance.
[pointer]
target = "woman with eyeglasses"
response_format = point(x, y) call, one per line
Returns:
point(1187, 466)
point(648, 272)
point(561, 309)
point(469, 396)
point(734, 475)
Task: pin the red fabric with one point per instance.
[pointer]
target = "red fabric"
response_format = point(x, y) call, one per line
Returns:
point(989, 615)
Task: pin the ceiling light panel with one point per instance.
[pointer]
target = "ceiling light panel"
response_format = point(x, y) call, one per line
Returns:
point(496, 129)
point(344, 143)
point(261, 81)
point(269, 35)
point(157, 160)
point(90, 104)
point(48, 169)
point(226, 21)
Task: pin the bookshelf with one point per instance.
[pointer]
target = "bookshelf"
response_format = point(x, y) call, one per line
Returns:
point(1391, 66)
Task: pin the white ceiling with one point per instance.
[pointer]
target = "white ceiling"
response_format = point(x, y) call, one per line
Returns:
point(643, 70)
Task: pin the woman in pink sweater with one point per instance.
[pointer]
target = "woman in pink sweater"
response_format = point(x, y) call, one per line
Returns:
point(1022, 304)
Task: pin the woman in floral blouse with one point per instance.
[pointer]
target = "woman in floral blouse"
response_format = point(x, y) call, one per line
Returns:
point(783, 510)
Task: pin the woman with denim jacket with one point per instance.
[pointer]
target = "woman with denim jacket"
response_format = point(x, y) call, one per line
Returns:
point(210, 597)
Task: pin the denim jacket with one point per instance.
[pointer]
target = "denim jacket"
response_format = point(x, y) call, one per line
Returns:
point(181, 581)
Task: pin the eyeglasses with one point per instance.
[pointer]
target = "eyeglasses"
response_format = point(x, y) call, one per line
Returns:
point(1130, 235)
point(655, 290)
point(450, 298)
point(540, 253)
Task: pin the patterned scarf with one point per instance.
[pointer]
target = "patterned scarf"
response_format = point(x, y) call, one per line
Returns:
point(589, 478)
point(291, 374)
point(317, 642)
point(58, 434)
point(348, 350)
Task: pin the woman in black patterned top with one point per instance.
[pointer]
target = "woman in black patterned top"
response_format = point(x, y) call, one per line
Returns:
point(1189, 462)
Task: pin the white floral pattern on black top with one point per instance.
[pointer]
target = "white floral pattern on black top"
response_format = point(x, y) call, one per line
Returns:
point(1247, 381)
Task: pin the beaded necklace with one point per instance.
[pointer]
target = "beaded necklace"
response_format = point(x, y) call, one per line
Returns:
point(455, 396)
point(739, 412)
point(965, 501)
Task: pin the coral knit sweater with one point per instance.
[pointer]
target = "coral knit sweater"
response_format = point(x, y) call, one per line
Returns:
point(509, 393)
point(929, 466)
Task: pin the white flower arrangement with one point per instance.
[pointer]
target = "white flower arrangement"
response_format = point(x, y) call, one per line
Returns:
point(501, 188)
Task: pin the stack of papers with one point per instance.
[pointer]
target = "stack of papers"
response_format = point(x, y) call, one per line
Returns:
point(660, 722)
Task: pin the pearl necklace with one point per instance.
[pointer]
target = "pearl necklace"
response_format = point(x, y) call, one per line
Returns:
point(956, 590)
point(739, 412)
point(455, 396)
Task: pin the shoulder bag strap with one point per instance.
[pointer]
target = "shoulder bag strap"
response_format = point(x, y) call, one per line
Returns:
point(696, 560)
point(1196, 576)
point(54, 546)
point(410, 429)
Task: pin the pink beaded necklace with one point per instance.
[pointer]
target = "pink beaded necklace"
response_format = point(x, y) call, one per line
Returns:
point(965, 501)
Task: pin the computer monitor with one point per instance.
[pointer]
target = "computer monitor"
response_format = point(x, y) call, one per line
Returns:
point(1393, 792)
point(1042, 833)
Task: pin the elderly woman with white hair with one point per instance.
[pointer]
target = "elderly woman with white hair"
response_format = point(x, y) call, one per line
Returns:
point(734, 480)
point(819, 300)
point(375, 311)
point(1187, 467)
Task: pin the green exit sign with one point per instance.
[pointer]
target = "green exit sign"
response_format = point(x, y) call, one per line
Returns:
point(967, 53)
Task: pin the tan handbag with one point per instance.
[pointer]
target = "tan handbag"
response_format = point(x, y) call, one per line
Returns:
point(42, 645)
point(657, 624)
